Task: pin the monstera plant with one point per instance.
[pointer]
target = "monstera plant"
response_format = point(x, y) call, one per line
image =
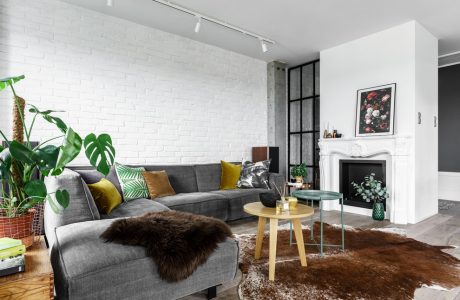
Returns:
point(24, 164)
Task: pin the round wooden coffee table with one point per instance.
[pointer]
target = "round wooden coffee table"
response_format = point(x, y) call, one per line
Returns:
point(264, 213)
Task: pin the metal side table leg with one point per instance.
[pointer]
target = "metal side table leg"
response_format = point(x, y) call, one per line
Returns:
point(312, 224)
point(321, 222)
point(290, 233)
point(341, 220)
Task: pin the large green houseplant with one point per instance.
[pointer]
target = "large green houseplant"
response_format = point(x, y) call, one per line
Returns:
point(23, 167)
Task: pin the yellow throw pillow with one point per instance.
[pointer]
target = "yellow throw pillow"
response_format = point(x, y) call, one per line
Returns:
point(229, 176)
point(158, 184)
point(105, 195)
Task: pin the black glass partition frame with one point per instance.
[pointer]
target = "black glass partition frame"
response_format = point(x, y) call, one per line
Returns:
point(303, 119)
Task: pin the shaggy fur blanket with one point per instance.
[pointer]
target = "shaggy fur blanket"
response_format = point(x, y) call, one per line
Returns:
point(178, 242)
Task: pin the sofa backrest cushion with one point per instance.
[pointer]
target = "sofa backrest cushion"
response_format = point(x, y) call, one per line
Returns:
point(208, 177)
point(182, 177)
point(91, 175)
point(81, 205)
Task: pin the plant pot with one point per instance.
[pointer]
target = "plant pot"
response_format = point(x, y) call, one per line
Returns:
point(299, 179)
point(19, 227)
point(378, 212)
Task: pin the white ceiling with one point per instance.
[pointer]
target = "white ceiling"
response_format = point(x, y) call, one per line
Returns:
point(301, 28)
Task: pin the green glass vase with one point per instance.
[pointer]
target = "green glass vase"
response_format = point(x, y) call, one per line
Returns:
point(378, 212)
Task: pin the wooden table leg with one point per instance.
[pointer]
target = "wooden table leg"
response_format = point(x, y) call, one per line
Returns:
point(272, 252)
point(260, 237)
point(300, 243)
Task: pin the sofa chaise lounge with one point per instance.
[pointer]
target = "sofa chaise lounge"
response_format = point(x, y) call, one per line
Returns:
point(87, 268)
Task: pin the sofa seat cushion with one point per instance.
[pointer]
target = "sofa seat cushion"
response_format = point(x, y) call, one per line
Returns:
point(237, 198)
point(86, 267)
point(207, 204)
point(135, 208)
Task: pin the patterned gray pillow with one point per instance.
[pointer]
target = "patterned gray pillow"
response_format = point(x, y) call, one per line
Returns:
point(254, 175)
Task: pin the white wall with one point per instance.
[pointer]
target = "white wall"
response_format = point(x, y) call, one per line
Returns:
point(426, 134)
point(377, 59)
point(405, 55)
point(163, 98)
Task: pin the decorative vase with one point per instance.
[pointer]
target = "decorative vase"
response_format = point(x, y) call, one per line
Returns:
point(19, 227)
point(299, 179)
point(269, 198)
point(378, 211)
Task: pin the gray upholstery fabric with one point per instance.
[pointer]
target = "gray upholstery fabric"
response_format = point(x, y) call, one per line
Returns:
point(276, 179)
point(182, 177)
point(237, 199)
point(87, 268)
point(113, 178)
point(134, 208)
point(81, 206)
point(89, 175)
point(208, 177)
point(91, 202)
point(207, 204)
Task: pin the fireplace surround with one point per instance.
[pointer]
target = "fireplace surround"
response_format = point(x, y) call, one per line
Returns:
point(397, 153)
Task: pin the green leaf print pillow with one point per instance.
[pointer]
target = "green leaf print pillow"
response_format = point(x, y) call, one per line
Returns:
point(132, 182)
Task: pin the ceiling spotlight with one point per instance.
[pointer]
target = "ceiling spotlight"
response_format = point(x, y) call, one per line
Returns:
point(198, 25)
point(263, 45)
point(110, 3)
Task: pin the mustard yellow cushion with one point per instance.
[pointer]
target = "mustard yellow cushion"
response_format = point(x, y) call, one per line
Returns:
point(106, 195)
point(229, 176)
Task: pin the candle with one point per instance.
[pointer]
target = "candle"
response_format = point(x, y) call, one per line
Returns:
point(292, 203)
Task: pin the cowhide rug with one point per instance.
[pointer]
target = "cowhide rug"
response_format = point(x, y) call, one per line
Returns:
point(375, 265)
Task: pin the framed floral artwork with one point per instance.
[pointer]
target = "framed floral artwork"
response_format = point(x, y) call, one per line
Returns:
point(375, 110)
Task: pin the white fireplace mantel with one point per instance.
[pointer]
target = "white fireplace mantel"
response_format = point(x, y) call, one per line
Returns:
point(398, 153)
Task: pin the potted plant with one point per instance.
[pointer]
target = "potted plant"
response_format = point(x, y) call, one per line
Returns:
point(299, 172)
point(23, 166)
point(372, 189)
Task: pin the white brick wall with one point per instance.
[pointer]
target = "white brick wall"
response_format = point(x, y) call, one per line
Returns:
point(162, 97)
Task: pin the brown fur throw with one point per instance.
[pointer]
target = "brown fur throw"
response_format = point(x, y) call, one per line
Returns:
point(178, 242)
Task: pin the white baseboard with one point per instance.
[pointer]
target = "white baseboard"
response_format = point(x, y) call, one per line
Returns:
point(449, 186)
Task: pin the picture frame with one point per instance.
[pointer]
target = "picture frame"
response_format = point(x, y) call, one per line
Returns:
point(375, 110)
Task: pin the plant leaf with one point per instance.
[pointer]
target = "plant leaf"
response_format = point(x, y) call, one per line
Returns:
point(100, 151)
point(35, 188)
point(53, 204)
point(6, 82)
point(63, 197)
point(5, 164)
point(23, 153)
point(70, 149)
point(51, 119)
point(48, 158)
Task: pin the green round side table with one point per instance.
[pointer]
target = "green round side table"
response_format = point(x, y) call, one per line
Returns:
point(320, 196)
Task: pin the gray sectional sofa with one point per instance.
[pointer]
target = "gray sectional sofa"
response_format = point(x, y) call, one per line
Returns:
point(87, 268)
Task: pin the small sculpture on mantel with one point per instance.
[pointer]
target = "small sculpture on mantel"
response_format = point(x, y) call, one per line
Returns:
point(331, 134)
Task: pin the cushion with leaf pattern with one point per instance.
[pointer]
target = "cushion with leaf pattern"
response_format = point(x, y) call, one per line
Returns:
point(132, 182)
point(254, 175)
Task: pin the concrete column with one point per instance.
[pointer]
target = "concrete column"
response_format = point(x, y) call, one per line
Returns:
point(277, 110)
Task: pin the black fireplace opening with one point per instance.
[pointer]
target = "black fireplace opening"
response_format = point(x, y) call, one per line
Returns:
point(355, 171)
